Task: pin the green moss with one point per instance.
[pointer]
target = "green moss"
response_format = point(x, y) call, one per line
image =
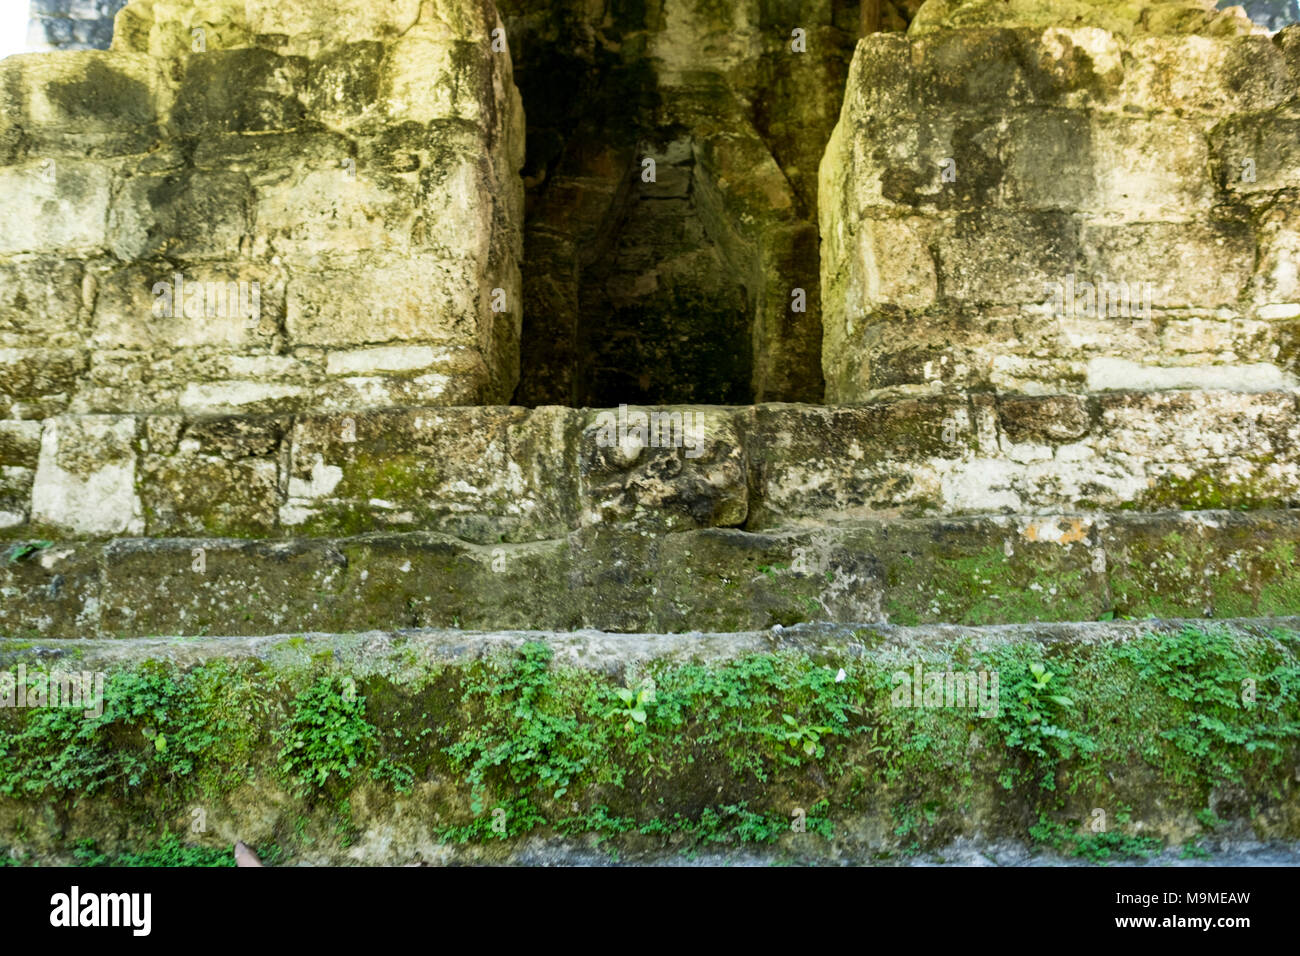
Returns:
point(988, 587)
point(729, 752)
point(1278, 584)
point(167, 852)
point(1210, 491)
point(372, 472)
point(1183, 575)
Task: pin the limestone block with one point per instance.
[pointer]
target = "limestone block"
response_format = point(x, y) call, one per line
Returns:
point(479, 473)
point(58, 206)
point(211, 477)
point(41, 302)
point(1253, 156)
point(1175, 17)
point(662, 468)
point(191, 214)
point(35, 382)
point(1207, 263)
point(1277, 269)
point(352, 301)
point(83, 103)
point(848, 460)
point(342, 84)
point(318, 207)
point(149, 304)
point(245, 90)
point(1005, 257)
point(1199, 74)
point(85, 479)
point(172, 28)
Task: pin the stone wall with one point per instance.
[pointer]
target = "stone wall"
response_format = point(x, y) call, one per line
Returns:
point(981, 175)
point(247, 206)
point(493, 474)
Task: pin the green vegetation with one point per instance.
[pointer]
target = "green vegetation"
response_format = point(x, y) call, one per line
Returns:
point(24, 550)
point(169, 851)
point(327, 735)
point(766, 748)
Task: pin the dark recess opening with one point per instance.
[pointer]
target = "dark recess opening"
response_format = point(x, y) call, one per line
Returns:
point(626, 296)
point(677, 290)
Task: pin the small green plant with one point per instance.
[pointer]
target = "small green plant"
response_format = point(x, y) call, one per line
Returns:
point(1033, 721)
point(167, 852)
point(801, 737)
point(327, 735)
point(635, 703)
point(528, 736)
point(26, 549)
point(1096, 847)
point(1042, 677)
point(1209, 819)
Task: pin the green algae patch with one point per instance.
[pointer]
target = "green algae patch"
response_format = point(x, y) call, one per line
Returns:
point(1184, 574)
point(1040, 582)
point(1210, 490)
point(1104, 749)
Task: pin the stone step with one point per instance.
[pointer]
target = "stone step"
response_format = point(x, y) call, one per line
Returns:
point(973, 570)
point(492, 473)
point(515, 746)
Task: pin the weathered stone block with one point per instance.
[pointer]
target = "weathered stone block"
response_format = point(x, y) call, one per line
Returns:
point(42, 302)
point(342, 83)
point(85, 480)
point(52, 591)
point(662, 468)
point(244, 90)
point(1207, 565)
point(83, 103)
point(1256, 153)
point(1205, 75)
point(212, 476)
point(148, 304)
point(203, 586)
point(479, 473)
point(54, 206)
point(357, 300)
point(1174, 17)
point(1003, 257)
point(36, 382)
point(322, 207)
point(1152, 170)
point(1276, 284)
point(848, 460)
point(1202, 264)
point(185, 214)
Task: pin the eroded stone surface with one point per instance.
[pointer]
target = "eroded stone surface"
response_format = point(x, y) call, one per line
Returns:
point(495, 473)
point(979, 570)
point(989, 180)
point(237, 192)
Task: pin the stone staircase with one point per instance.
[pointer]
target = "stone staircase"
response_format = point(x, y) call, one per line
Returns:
point(324, 513)
point(1119, 504)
